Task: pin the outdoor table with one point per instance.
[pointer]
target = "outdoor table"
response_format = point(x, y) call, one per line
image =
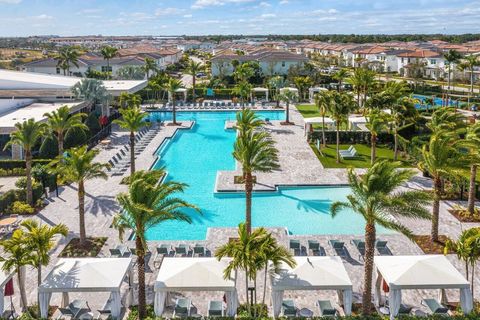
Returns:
point(105, 142)
point(7, 222)
point(305, 313)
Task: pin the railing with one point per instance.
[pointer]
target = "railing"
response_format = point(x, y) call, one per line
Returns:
point(103, 133)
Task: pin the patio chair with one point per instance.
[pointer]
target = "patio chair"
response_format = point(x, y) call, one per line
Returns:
point(314, 245)
point(106, 310)
point(198, 250)
point(348, 155)
point(181, 250)
point(381, 245)
point(120, 251)
point(182, 308)
point(162, 249)
point(404, 310)
point(216, 309)
point(288, 308)
point(338, 246)
point(349, 150)
point(65, 312)
point(435, 307)
point(326, 309)
point(295, 246)
point(360, 245)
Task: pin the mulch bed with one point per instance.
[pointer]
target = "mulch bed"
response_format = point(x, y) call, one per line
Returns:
point(462, 217)
point(423, 241)
point(90, 249)
point(357, 309)
point(171, 124)
point(284, 123)
point(240, 180)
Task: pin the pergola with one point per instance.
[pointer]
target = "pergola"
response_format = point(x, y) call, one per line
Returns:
point(259, 89)
point(183, 91)
point(194, 274)
point(85, 275)
point(313, 273)
point(329, 122)
point(357, 123)
point(4, 278)
point(419, 272)
point(312, 91)
point(291, 89)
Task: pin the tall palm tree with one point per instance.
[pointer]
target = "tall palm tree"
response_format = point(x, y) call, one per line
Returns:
point(288, 97)
point(446, 119)
point(66, 57)
point(276, 83)
point(192, 69)
point(146, 204)
point(60, 122)
point(341, 106)
point(78, 167)
point(256, 152)
point(108, 53)
point(93, 91)
point(377, 122)
point(133, 119)
point(469, 63)
point(39, 238)
point(27, 135)
point(375, 196)
point(451, 57)
point(243, 72)
point(403, 115)
point(242, 89)
point(247, 120)
point(322, 101)
point(150, 65)
point(172, 86)
point(340, 76)
point(473, 142)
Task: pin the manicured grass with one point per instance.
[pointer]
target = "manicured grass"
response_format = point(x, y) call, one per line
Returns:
point(308, 110)
point(328, 159)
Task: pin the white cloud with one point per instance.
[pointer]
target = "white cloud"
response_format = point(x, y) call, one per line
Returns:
point(283, 2)
point(168, 11)
point(188, 16)
point(43, 17)
point(199, 4)
point(10, 1)
point(268, 15)
point(264, 4)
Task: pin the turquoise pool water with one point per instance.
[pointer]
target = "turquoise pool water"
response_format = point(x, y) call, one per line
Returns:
point(437, 102)
point(194, 157)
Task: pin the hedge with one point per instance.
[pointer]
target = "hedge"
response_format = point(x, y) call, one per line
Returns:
point(352, 137)
point(9, 197)
point(13, 164)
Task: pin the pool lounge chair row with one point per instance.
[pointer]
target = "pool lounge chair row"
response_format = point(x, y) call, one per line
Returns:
point(351, 152)
point(183, 307)
point(325, 309)
point(181, 250)
point(313, 247)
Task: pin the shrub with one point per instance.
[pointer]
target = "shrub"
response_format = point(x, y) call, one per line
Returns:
point(21, 183)
point(93, 124)
point(12, 172)
point(19, 207)
point(49, 147)
point(14, 164)
point(75, 137)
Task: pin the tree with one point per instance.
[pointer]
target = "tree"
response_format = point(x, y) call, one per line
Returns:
point(377, 122)
point(340, 76)
point(243, 72)
point(341, 106)
point(27, 135)
point(243, 90)
point(109, 53)
point(66, 57)
point(302, 84)
point(256, 152)
point(469, 63)
point(91, 90)
point(192, 69)
point(130, 73)
point(451, 57)
point(172, 87)
point(446, 119)
point(288, 97)
point(133, 119)
point(473, 142)
point(376, 197)
point(39, 239)
point(277, 83)
point(247, 120)
point(150, 65)
point(322, 101)
point(78, 167)
point(362, 81)
point(60, 122)
point(403, 115)
point(146, 204)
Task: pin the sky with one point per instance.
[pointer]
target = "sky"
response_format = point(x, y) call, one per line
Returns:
point(203, 17)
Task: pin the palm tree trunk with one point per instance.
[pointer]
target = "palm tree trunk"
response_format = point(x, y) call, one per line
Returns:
point(370, 235)
point(108, 68)
point(28, 172)
point(436, 208)
point(193, 87)
point(287, 113)
point(471, 85)
point(174, 112)
point(39, 281)
point(324, 142)
point(141, 278)
point(471, 190)
point(132, 152)
point(60, 143)
point(23, 294)
point(338, 143)
point(395, 146)
point(81, 212)
point(265, 284)
point(246, 291)
point(248, 201)
point(472, 281)
point(373, 151)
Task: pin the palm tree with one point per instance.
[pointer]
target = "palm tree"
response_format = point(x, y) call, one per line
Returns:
point(446, 119)
point(39, 238)
point(341, 106)
point(256, 152)
point(288, 97)
point(78, 167)
point(192, 69)
point(66, 57)
point(247, 120)
point(133, 119)
point(362, 80)
point(403, 115)
point(172, 88)
point(243, 72)
point(109, 53)
point(473, 141)
point(93, 91)
point(243, 90)
point(60, 122)
point(340, 76)
point(27, 135)
point(146, 204)
point(277, 83)
point(150, 65)
point(451, 57)
point(377, 122)
point(375, 196)
point(322, 101)
point(469, 63)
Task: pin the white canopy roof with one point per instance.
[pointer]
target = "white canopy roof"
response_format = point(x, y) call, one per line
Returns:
point(319, 120)
point(86, 275)
point(181, 90)
point(289, 89)
point(419, 272)
point(193, 274)
point(313, 273)
point(259, 89)
point(4, 276)
point(317, 89)
point(355, 119)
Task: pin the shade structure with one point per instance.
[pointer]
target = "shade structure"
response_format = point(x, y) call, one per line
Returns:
point(357, 123)
point(313, 91)
point(183, 91)
point(194, 274)
point(317, 120)
point(418, 272)
point(313, 273)
point(4, 278)
point(291, 89)
point(85, 275)
point(259, 89)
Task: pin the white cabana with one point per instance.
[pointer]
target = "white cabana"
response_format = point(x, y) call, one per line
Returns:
point(85, 275)
point(4, 278)
point(261, 90)
point(183, 91)
point(194, 274)
point(313, 91)
point(313, 273)
point(329, 123)
point(419, 272)
point(357, 123)
point(291, 89)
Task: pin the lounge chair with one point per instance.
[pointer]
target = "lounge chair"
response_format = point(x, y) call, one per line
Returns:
point(295, 246)
point(435, 307)
point(326, 309)
point(338, 246)
point(347, 155)
point(65, 312)
point(163, 249)
point(216, 309)
point(360, 245)
point(381, 245)
point(404, 310)
point(181, 250)
point(182, 308)
point(120, 251)
point(314, 245)
point(288, 308)
point(349, 150)
point(106, 310)
point(199, 250)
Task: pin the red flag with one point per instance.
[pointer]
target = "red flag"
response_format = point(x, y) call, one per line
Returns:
point(385, 287)
point(9, 288)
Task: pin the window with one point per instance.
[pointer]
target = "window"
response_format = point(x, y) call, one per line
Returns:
point(283, 64)
point(433, 61)
point(58, 70)
point(106, 69)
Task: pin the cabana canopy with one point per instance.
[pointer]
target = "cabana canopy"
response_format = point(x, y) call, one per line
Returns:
point(282, 90)
point(357, 123)
point(194, 274)
point(312, 91)
point(418, 272)
point(4, 278)
point(183, 91)
point(313, 273)
point(259, 89)
point(317, 120)
point(85, 275)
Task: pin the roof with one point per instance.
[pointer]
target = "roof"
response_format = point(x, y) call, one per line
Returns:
point(4, 276)
point(319, 120)
point(420, 54)
point(88, 61)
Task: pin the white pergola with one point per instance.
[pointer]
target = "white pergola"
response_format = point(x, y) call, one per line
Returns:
point(194, 274)
point(419, 272)
point(183, 91)
point(329, 122)
point(291, 89)
point(313, 273)
point(357, 123)
point(85, 275)
point(312, 91)
point(4, 278)
point(259, 89)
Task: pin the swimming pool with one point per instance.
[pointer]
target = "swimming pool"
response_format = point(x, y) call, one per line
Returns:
point(438, 102)
point(194, 156)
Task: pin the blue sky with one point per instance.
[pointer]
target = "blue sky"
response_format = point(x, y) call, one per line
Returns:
point(199, 17)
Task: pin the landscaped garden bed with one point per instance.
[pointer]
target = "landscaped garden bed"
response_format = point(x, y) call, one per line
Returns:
point(90, 249)
point(463, 215)
point(429, 247)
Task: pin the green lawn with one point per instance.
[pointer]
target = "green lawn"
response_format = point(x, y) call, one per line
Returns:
point(308, 110)
point(328, 159)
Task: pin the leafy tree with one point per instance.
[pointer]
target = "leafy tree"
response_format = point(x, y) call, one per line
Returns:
point(108, 53)
point(66, 57)
point(275, 84)
point(288, 97)
point(377, 122)
point(49, 147)
point(451, 57)
point(150, 65)
point(172, 87)
point(92, 91)
point(340, 76)
point(469, 63)
point(131, 73)
point(192, 69)
point(93, 124)
point(377, 198)
point(302, 84)
point(242, 89)
point(75, 137)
